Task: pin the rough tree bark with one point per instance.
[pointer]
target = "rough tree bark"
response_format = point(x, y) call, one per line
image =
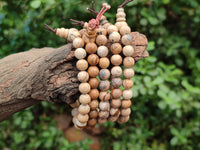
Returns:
point(47, 74)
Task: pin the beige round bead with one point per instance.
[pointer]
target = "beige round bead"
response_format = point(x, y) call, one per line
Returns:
point(127, 94)
point(125, 112)
point(102, 51)
point(128, 50)
point(83, 76)
point(112, 28)
point(93, 114)
point(123, 119)
point(120, 24)
point(128, 62)
point(113, 118)
point(116, 71)
point(115, 103)
point(101, 31)
point(74, 112)
point(120, 15)
point(104, 96)
point(125, 30)
point(82, 118)
point(93, 59)
point(116, 48)
point(127, 39)
point(114, 111)
point(104, 74)
point(91, 48)
point(92, 122)
point(73, 33)
point(75, 104)
point(78, 42)
point(80, 53)
point(116, 60)
point(103, 114)
point(104, 62)
point(128, 73)
point(116, 93)
point(106, 25)
point(84, 98)
point(94, 82)
point(84, 88)
point(84, 109)
point(101, 40)
point(127, 84)
point(93, 71)
point(104, 85)
point(82, 65)
point(94, 93)
point(116, 82)
point(102, 120)
point(80, 124)
point(121, 9)
point(126, 103)
point(94, 104)
point(114, 37)
point(104, 106)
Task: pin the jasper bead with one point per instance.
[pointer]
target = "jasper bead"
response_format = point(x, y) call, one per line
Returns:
point(128, 50)
point(84, 88)
point(80, 53)
point(116, 48)
point(127, 94)
point(80, 124)
point(75, 104)
point(84, 98)
point(128, 62)
point(84, 109)
point(128, 73)
point(102, 120)
point(78, 42)
point(125, 112)
point(116, 60)
point(91, 48)
point(120, 24)
point(113, 118)
point(94, 104)
point(83, 76)
point(104, 85)
point(93, 71)
point(125, 30)
point(126, 103)
point(123, 119)
point(102, 51)
point(92, 122)
point(101, 31)
point(116, 71)
point(112, 28)
point(104, 96)
point(114, 37)
point(94, 93)
point(127, 39)
point(101, 40)
point(82, 65)
point(104, 106)
point(104, 63)
point(127, 84)
point(103, 114)
point(82, 118)
point(116, 93)
point(74, 112)
point(93, 114)
point(93, 59)
point(104, 74)
point(114, 111)
point(115, 103)
point(116, 82)
point(93, 82)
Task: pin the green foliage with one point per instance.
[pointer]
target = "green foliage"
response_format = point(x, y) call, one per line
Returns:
point(166, 107)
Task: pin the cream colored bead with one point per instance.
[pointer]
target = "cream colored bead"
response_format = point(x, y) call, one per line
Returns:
point(112, 28)
point(80, 53)
point(103, 114)
point(127, 39)
point(114, 37)
point(128, 73)
point(116, 71)
point(127, 84)
point(128, 50)
point(120, 24)
point(62, 32)
point(84, 109)
point(114, 111)
point(73, 33)
point(84, 88)
point(84, 98)
point(82, 118)
point(125, 112)
point(120, 15)
point(74, 112)
point(127, 94)
point(101, 40)
point(83, 76)
point(128, 62)
point(120, 10)
point(78, 42)
point(82, 64)
point(80, 124)
point(125, 30)
point(102, 51)
point(104, 106)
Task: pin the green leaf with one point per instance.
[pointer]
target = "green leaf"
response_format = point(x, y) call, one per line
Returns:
point(35, 4)
point(151, 46)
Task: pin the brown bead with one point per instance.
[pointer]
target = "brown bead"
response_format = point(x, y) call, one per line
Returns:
point(126, 103)
point(128, 73)
point(93, 114)
point(84, 109)
point(114, 111)
point(116, 82)
point(123, 119)
point(104, 85)
point(84, 88)
point(82, 31)
point(125, 112)
point(83, 76)
point(125, 30)
point(116, 71)
point(94, 104)
point(127, 84)
point(91, 48)
point(101, 31)
point(104, 62)
point(94, 82)
point(112, 28)
point(93, 71)
point(116, 60)
point(116, 48)
point(114, 37)
point(115, 103)
point(120, 24)
point(103, 114)
point(116, 93)
point(75, 104)
point(102, 51)
point(82, 64)
point(127, 94)
point(80, 53)
point(94, 93)
point(82, 118)
point(87, 39)
point(104, 96)
point(128, 50)
point(93, 59)
point(92, 122)
point(101, 40)
point(84, 98)
point(104, 106)
point(102, 120)
point(128, 62)
point(104, 74)
point(127, 39)
point(113, 118)
point(78, 42)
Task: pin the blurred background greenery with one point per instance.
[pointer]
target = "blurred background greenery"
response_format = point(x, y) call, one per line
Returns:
point(166, 107)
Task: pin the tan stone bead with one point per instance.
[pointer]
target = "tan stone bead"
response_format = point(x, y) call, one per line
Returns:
point(84, 88)
point(84, 98)
point(116, 60)
point(116, 48)
point(94, 82)
point(128, 62)
point(93, 59)
point(84, 109)
point(102, 51)
point(73, 33)
point(120, 15)
point(127, 39)
point(126, 103)
point(93, 114)
point(115, 103)
point(80, 53)
point(104, 85)
point(94, 104)
point(94, 93)
point(82, 118)
point(101, 31)
point(112, 28)
point(104, 96)
point(114, 111)
point(75, 104)
point(114, 37)
point(125, 112)
point(79, 124)
point(120, 24)
point(116, 71)
point(116, 93)
point(91, 48)
point(83, 76)
point(121, 9)
point(93, 71)
point(128, 73)
point(128, 50)
point(75, 112)
point(78, 42)
point(125, 30)
point(104, 74)
point(116, 82)
point(103, 114)
point(101, 40)
point(127, 94)
point(104, 106)
point(127, 84)
point(120, 19)
point(106, 25)
point(92, 122)
point(82, 64)
point(113, 118)
point(102, 120)
point(123, 119)
point(82, 31)
point(88, 39)
point(104, 62)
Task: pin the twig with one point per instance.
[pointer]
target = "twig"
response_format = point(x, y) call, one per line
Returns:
point(50, 29)
point(124, 3)
point(77, 23)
